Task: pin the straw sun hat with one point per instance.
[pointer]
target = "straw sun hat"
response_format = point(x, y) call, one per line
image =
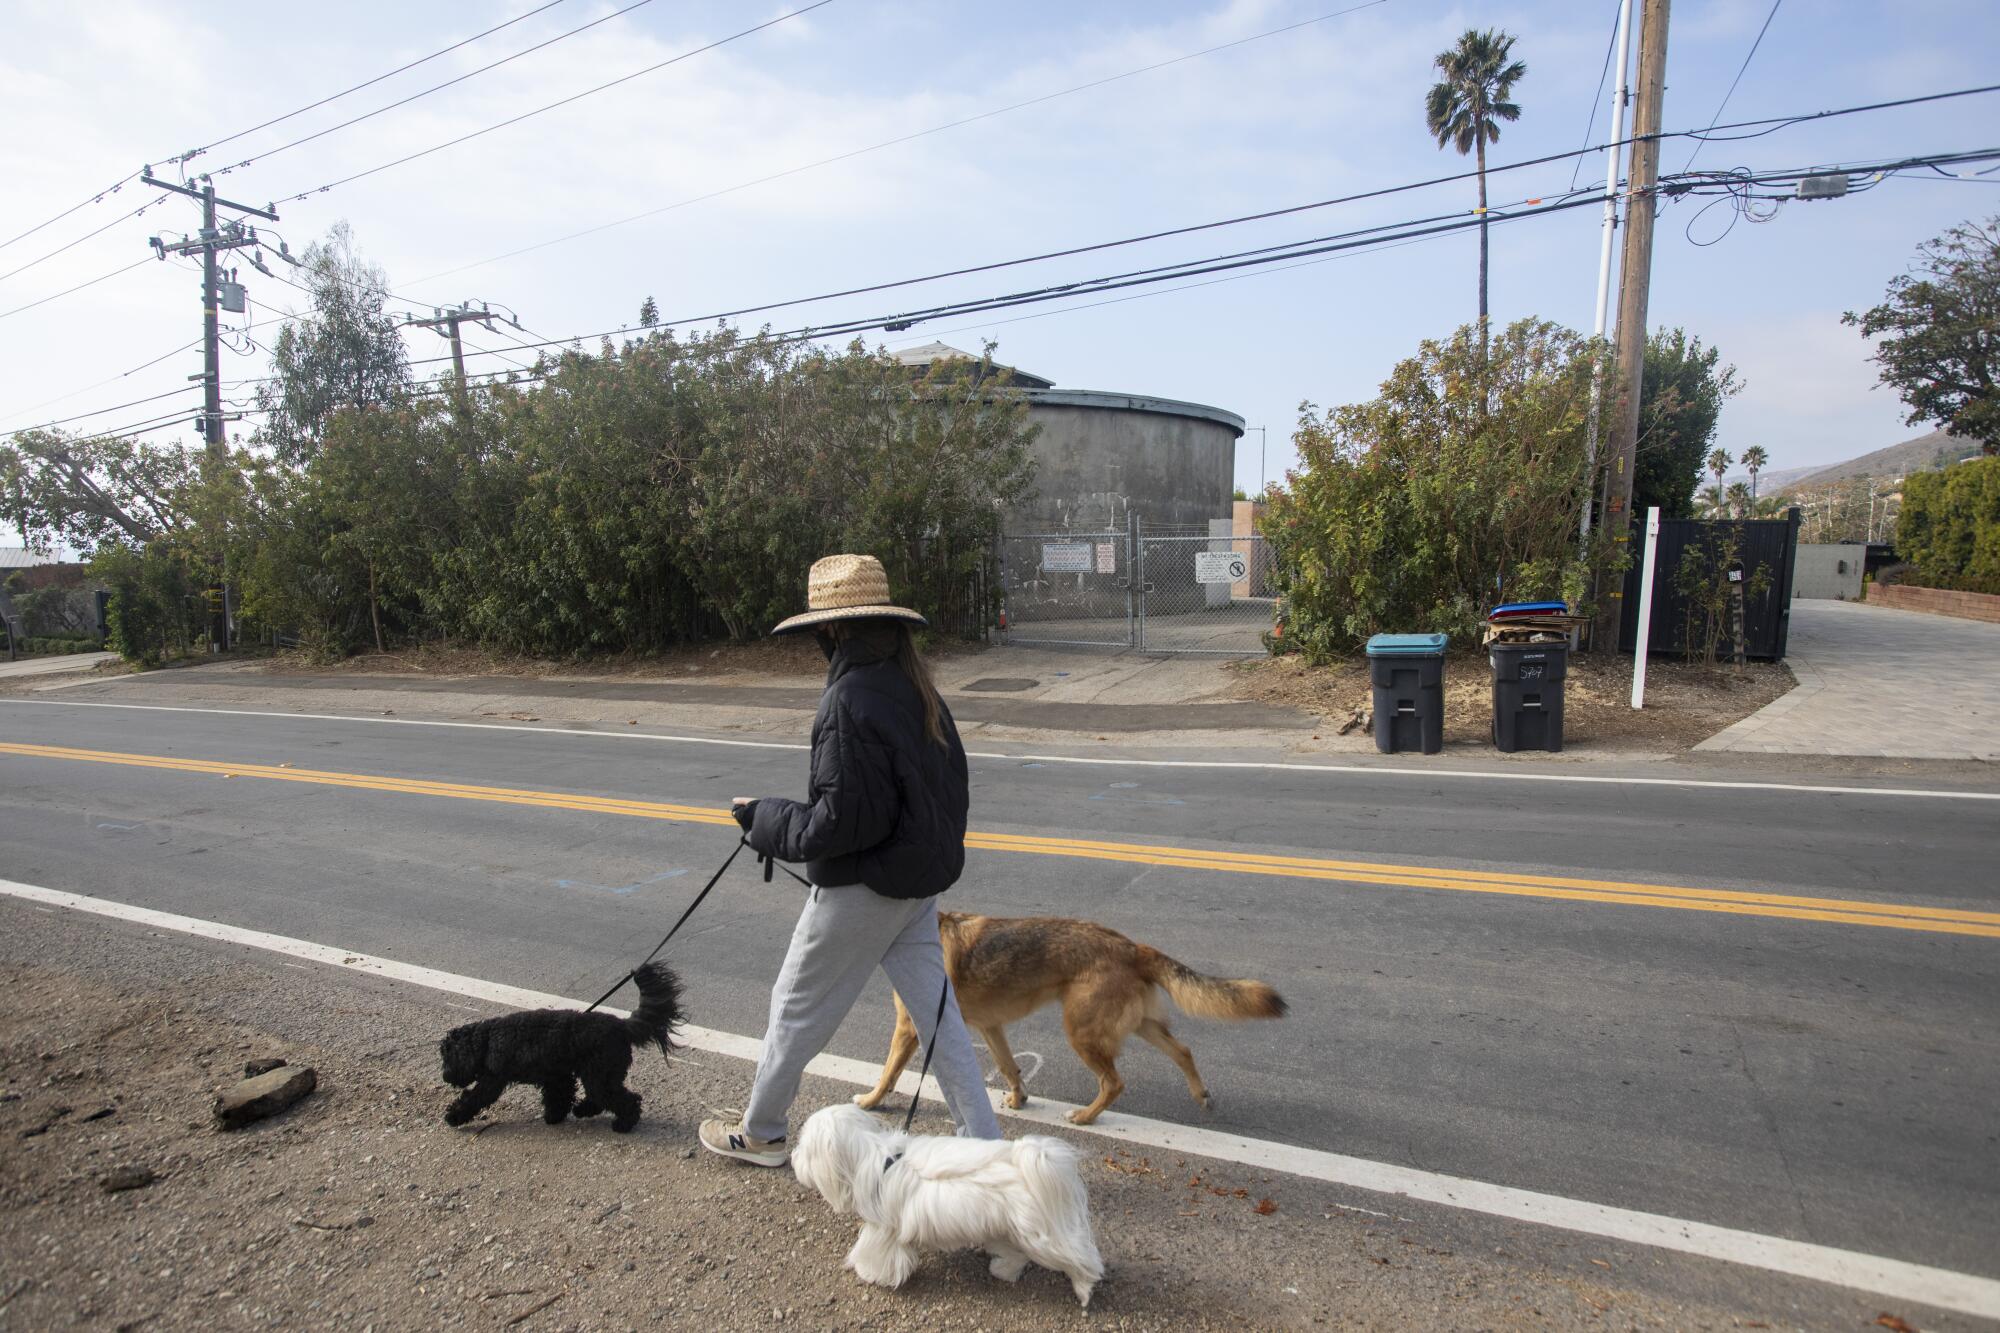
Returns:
point(847, 587)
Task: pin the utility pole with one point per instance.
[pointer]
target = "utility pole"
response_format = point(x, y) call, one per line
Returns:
point(1621, 93)
point(445, 320)
point(217, 293)
point(215, 238)
point(1634, 278)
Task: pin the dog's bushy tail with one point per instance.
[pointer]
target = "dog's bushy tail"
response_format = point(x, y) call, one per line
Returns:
point(1206, 996)
point(658, 1016)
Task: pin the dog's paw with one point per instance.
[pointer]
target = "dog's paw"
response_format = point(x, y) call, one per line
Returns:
point(622, 1125)
point(1016, 1100)
point(1082, 1115)
point(585, 1109)
point(1008, 1267)
point(867, 1101)
point(455, 1117)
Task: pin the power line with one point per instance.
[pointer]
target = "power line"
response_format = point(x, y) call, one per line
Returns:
point(1169, 291)
point(103, 277)
point(574, 97)
point(1672, 187)
point(193, 153)
point(122, 217)
point(1740, 69)
point(490, 379)
point(102, 411)
point(109, 379)
point(1368, 237)
point(99, 197)
point(1724, 180)
point(417, 96)
point(1265, 215)
point(903, 139)
point(1301, 249)
point(146, 425)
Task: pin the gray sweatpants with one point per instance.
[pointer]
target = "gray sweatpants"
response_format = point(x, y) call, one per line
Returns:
point(842, 934)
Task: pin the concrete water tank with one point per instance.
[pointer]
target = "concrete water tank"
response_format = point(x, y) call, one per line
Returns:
point(1102, 457)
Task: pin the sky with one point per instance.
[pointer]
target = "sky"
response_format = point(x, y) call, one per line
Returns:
point(1328, 108)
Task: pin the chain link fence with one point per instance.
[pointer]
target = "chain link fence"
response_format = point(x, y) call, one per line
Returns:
point(1205, 595)
point(1176, 591)
point(1071, 589)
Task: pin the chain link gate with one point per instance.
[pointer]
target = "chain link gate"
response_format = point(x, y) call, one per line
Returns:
point(1068, 589)
point(1205, 595)
point(1158, 593)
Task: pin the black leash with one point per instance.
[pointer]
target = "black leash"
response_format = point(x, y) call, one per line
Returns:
point(767, 862)
point(713, 880)
point(909, 1117)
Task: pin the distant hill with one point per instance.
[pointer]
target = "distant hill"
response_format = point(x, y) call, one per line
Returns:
point(1774, 479)
point(1936, 449)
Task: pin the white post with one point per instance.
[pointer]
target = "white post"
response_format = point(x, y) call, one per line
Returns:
point(1618, 98)
point(1645, 609)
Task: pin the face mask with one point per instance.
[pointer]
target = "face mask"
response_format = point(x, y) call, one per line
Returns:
point(825, 642)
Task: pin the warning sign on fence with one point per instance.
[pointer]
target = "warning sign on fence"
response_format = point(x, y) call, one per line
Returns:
point(1221, 567)
point(1066, 557)
point(1107, 557)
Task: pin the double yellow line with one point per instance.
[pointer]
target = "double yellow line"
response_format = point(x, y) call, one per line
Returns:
point(1843, 911)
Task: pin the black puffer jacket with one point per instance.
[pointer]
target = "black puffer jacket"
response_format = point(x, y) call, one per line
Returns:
point(886, 805)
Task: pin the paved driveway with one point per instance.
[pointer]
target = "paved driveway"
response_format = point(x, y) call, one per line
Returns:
point(1879, 682)
point(48, 666)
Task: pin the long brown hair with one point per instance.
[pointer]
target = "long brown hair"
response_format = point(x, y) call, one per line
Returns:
point(904, 650)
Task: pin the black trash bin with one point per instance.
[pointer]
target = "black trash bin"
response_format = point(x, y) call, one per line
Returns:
point(1528, 694)
point(1407, 672)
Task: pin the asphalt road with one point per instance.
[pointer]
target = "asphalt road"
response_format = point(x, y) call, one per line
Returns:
point(1836, 1081)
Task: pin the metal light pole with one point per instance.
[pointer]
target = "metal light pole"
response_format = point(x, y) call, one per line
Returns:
point(1620, 94)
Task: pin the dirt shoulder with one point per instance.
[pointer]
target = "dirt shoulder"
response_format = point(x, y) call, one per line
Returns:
point(359, 1209)
point(771, 689)
point(1685, 704)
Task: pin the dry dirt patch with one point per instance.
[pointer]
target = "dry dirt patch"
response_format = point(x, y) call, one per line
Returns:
point(1685, 704)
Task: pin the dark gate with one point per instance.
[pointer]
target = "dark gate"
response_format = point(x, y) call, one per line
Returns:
point(1767, 544)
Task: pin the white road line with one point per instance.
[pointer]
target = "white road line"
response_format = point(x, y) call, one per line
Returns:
point(1362, 770)
point(1894, 1278)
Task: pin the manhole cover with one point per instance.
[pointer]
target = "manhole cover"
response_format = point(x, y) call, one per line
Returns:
point(1001, 685)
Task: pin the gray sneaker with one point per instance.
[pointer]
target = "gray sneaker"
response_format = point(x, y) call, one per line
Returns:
point(733, 1139)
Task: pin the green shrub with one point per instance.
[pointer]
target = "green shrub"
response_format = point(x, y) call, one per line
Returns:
point(1949, 527)
point(1460, 486)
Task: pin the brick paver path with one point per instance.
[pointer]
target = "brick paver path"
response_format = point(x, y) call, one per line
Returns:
point(1880, 682)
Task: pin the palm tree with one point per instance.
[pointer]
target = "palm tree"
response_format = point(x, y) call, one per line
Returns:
point(1712, 500)
point(1754, 460)
point(1741, 502)
point(1466, 107)
point(1718, 463)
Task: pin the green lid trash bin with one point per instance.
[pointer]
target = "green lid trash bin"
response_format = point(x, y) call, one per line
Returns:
point(1407, 673)
point(1528, 694)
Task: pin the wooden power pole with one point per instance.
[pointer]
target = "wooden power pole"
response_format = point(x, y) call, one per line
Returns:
point(217, 236)
point(445, 321)
point(1635, 274)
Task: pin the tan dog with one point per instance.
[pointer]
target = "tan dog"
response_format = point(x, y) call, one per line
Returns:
point(1005, 968)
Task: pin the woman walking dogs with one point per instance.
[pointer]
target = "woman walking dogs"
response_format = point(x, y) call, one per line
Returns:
point(882, 833)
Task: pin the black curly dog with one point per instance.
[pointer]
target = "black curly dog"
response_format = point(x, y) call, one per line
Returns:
point(553, 1048)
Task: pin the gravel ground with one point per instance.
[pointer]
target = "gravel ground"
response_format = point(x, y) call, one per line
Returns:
point(359, 1209)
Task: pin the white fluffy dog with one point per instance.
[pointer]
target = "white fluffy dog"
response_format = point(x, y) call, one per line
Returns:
point(1019, 1199)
